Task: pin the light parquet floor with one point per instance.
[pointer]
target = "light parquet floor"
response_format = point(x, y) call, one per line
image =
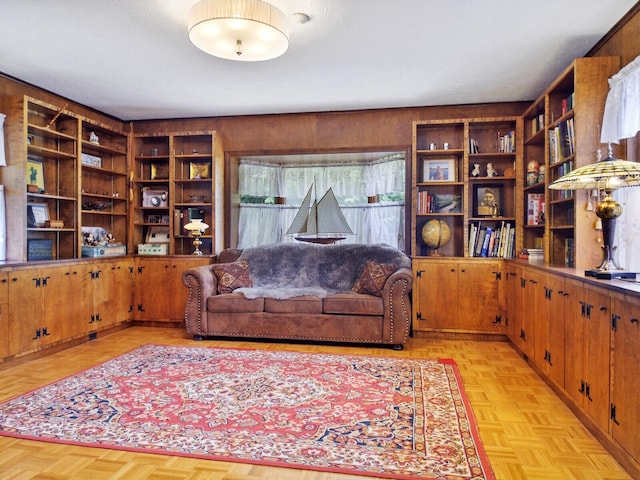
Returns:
point(527, 431)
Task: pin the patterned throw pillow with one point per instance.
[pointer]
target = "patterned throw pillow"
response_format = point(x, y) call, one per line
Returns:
point(232, 275)
point(373, 277)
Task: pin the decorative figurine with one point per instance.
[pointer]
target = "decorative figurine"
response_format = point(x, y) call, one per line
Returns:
point(93, 138)
point(491, 172)
point(476, 170)
point(533, 169)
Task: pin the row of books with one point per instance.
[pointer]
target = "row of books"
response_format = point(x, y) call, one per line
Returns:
point(562, 141)
point(563, 169)
point(537, 123)
point(535, 209)
point(507, 142)
point(438, 203)
point(491, 240)
point(504, 143)
point(567, 103)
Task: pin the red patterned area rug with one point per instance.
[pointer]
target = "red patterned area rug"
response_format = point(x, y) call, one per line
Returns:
point(374, 416)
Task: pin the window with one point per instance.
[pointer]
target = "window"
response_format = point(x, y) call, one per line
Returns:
point(369, 187)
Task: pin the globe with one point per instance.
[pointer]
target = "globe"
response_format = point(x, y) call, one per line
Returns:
point(435, 234)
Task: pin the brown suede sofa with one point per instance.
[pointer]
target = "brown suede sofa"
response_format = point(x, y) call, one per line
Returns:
point(351, 293)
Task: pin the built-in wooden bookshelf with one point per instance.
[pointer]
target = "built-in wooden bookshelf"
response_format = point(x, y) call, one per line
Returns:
point(562, 132)
point(177, 177)
point(466, 173)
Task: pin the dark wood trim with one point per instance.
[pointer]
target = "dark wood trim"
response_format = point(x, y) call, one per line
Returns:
point(615, 29)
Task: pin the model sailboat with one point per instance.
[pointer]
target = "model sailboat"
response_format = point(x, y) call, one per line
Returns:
point(318, 222)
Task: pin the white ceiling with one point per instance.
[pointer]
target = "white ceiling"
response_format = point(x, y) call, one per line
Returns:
point(132, 58)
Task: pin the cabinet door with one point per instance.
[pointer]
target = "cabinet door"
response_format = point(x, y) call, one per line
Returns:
point(33, 325)
point(550, 328)
point(515, 303)
point(626, 375)
point(574, 338)
point(587, 350)
point(478, 297)
point(75, 291)
point(121, 284)
point(25, 310)
point(4, 314)
point(598, 355)
point(161, 296)
point(531, 282)
point(113, 292)
point(435, 295)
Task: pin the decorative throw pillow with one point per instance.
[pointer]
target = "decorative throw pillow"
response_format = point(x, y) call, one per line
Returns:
point(373, 277)
point(232, 275)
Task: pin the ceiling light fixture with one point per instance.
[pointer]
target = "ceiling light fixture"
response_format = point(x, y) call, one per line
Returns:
point(244, 30)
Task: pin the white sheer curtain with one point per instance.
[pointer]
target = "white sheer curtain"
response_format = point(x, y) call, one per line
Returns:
point(622, 120)
point(352, 183)
point(622, 108)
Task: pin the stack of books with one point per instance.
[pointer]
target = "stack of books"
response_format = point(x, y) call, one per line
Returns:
point(535, 255)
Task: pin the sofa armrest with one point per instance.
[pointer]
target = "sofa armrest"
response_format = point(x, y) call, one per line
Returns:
point(397, 306)
point(202, 283)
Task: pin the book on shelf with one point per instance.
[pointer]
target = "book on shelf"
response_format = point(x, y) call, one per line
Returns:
point(507, 142)
point(491, 241)
point(438, 203)
point(473, 146)
point(535, 208)
point(561, 141)
point(484, 250)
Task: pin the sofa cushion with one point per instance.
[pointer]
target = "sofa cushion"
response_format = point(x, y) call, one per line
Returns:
point(373, 277)
point(351, 303)
point(234, 303)
point(304, 304)
point(232, 275)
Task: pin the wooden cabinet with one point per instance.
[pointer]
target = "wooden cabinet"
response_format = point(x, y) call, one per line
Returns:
point(42, 304)
point(624, 411)
point(528, 287)
point(466, 172)
point(457, 295)
point(160, 294)
point(178, 177)
point(4, 314)
point(112, 293)
point(56, 302)
point(550, 327)
point(512, 299)
point(561, 133)
point(587, 349)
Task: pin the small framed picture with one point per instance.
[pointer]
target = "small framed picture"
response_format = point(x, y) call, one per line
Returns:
point(159, 171)
point(488, 199)
point(440, 170)
point(37, 214)
point(199, 170)
point(35, 173)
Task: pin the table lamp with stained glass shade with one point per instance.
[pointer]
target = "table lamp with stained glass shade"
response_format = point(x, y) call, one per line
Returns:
point(606, 175)
point(196, 228)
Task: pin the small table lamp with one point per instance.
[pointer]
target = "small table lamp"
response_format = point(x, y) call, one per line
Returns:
point(196, 227)
point(605, 175)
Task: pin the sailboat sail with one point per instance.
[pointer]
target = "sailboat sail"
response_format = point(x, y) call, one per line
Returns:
point(323, 217)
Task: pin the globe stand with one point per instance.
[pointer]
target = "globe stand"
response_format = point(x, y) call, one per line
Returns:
point(436, 234)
